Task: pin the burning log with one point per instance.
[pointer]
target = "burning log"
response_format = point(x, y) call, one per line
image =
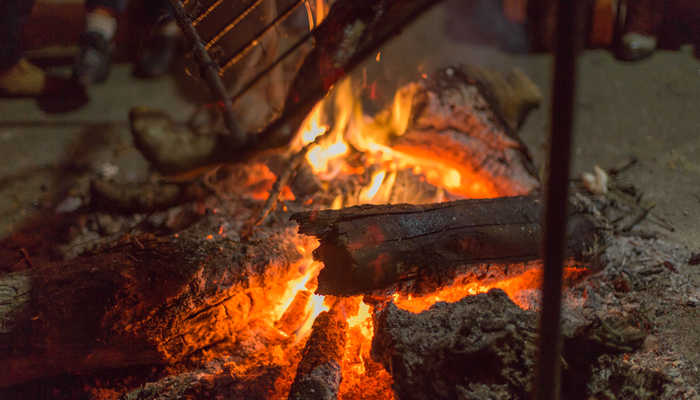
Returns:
point(372, 247)
point(142, 301)
point(318, 374)
point(467, 117)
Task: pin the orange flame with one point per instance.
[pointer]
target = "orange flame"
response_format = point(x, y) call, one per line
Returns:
point(372, 136)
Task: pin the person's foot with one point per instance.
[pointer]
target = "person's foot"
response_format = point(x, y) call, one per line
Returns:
point(157, 55)
point(636, 46)
point(94, 60)
point(23, 79)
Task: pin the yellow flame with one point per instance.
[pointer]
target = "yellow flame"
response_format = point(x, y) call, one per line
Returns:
point(368, 193)
point(337, 203)
point(317, 306)
point(363, 319)
point(402, 106)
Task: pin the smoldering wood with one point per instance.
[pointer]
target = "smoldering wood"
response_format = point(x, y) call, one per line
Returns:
point(319, 374)
point(368, 247)
point(467, 118)
point(144, 300)
point(484, 346)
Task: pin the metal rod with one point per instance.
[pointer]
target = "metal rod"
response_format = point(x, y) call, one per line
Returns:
point(206, 12)
point(233, 23)
point(547, 384)
point(256, 40)
point(210, 71)
point(270, 67)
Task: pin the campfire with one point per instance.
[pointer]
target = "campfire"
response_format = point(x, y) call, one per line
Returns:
point(287, 320)
point(392, 254)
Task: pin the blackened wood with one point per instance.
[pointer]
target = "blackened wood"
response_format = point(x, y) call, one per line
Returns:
point(319, 372)
point(142, 301)
point(372, 247)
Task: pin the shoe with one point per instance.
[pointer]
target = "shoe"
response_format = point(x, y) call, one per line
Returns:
point(157, 56)
point(94, 60)
point(23, 79)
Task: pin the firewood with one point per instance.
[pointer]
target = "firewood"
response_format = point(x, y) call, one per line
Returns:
point(467, 117)
point(143, 301)
point(318, 374)
point(372, 247)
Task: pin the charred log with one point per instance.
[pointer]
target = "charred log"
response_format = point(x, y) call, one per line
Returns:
point(143, 301)
point(318, 374)
point(372, 247)
point(467, 117)
point(484, 346)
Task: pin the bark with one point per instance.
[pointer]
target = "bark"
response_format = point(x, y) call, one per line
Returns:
point(318, 374)
point(146, 300)
point(372, 247)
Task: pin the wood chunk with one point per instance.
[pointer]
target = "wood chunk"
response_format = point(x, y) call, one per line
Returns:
point(483, 344)
point(372, 247)
point(484, 347)
point(466, 117)
point(318, 374)
point(143, 301)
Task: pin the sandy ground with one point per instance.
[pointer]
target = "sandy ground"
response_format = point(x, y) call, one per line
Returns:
point(649, 110)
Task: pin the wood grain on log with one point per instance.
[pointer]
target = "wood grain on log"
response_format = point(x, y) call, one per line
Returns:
point(144, 301)
point(372, 247)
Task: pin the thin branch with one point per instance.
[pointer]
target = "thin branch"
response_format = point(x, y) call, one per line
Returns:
point(294, 163)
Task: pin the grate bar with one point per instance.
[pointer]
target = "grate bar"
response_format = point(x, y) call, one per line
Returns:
point(233, 23)
point(270, 67)
point(256, 40)
point(209, 70)
point(206, 12)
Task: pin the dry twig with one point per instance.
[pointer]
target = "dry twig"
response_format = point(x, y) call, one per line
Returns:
point(294, 163)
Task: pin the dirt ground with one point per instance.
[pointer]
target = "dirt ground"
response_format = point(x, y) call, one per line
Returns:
point(647, 109)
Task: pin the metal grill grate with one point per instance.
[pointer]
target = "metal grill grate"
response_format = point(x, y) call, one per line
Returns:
point(380, 20)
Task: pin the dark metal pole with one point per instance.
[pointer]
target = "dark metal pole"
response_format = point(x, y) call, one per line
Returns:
point(547, 383)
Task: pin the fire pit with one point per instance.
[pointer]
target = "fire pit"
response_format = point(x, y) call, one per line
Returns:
point(391, 255)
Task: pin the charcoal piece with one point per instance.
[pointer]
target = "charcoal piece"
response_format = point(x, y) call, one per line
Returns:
point(481, 344)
